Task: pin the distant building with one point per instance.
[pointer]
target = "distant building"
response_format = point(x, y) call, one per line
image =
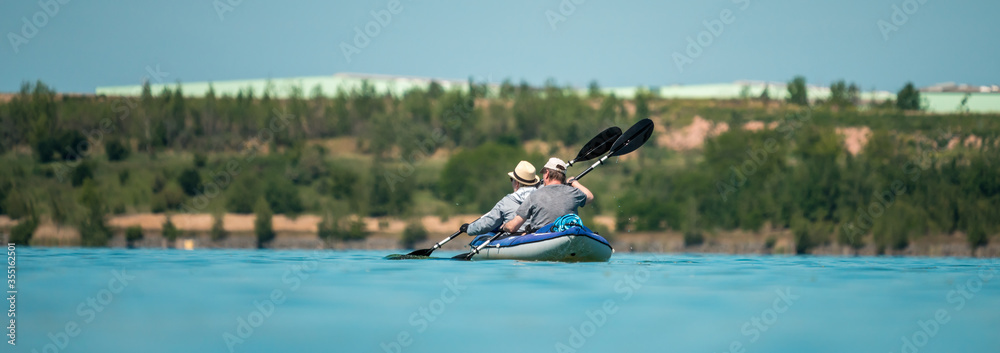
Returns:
point(940, 98)
point(284, 87)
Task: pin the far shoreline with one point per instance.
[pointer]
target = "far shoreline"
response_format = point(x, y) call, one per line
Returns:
point(385, 234)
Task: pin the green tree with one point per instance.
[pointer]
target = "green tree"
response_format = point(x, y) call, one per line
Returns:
point(80, 174)
point(170, 231)
point(797, 91)
point(840, 95)
point(132, 235)
point(93, 229)
point(641, 105)
point(262, 223)
point(594, 90)
point(116, 150)
point(190, 181)
point(908, 98)
point(218, 228)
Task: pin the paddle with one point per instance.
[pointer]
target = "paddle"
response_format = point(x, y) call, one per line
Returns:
point(631, 140)
point(427, 252)
point(599, 145)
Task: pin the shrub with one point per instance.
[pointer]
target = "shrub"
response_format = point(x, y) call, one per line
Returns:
point(173, 196)
point(977, 236)
point(413, 234)
point(17, 205)
point(693, 238)
point(337, 229)
point(283, 197)
point(218, 228)
point(93, 230)
point(769, 242)
point(73, 144)
point(45, 150)
point(81, 173)
point(133, 234)
point(116, 150)
point(803, 240)
point(158, 183)
point(22, 232)
point(170, 231)
point(200, 160)
point(241, 196)
point(262, 223)
point(190, 181)
point(123, 176)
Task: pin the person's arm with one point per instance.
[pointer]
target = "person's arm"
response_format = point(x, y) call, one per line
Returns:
point(487, 222)
point(576, 184)
point(513, 225)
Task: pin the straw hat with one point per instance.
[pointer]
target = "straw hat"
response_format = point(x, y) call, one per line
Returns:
point(524, 173)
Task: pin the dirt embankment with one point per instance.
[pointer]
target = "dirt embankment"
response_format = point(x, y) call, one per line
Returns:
point(385, 234)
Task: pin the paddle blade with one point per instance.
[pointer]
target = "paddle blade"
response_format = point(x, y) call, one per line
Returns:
point(405, 257)
point(421, 252)
point(633, 138)
point(599, 145)
point(463, 257)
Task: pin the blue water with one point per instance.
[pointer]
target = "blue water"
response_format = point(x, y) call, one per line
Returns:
point(354, 301)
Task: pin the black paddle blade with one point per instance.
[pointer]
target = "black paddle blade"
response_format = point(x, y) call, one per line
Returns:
point(632, 139)
point(421, 252)
point(463, 257)
point(405, 257)
point(599, 145)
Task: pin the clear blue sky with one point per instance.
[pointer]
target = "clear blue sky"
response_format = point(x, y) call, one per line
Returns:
point(619, 43)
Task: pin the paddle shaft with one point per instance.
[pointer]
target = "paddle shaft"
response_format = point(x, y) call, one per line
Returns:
point(599, 162)
point(441, 243)
point(483, 245)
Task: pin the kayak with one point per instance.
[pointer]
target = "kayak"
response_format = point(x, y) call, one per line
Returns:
point(575, 244)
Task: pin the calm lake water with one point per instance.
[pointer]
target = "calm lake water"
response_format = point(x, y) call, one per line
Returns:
point(93, 300)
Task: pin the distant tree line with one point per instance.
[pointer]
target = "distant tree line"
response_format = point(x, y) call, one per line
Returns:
point(253, 153)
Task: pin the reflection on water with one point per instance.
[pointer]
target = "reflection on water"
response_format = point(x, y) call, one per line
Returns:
point(261, 301)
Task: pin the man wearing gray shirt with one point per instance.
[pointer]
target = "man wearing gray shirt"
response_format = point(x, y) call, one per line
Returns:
point(549, 202)
point(524, 181)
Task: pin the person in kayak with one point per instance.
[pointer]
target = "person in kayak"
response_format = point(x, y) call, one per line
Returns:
point(524, 181)
point(551, 201)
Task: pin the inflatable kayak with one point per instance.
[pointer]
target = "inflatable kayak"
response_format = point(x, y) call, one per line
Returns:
point(575, 244)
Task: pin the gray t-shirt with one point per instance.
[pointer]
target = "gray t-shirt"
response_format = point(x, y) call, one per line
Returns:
point(550, 202)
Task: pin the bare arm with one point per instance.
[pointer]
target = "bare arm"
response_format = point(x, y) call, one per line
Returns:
point(513, 225)
point(576, 184)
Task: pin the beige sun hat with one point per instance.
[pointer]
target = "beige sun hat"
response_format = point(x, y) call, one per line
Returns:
point(524, 173)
